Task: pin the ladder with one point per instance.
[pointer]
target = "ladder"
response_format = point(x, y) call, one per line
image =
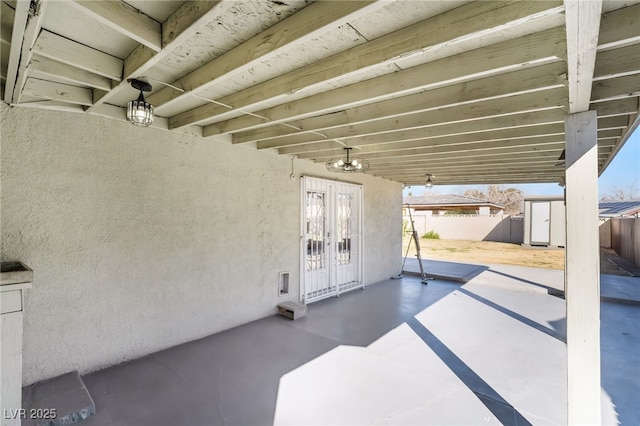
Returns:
point(416, 239)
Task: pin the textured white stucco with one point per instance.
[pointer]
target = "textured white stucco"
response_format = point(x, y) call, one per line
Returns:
point(141, 239)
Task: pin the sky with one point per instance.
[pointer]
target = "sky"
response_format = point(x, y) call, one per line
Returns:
point(623, 171)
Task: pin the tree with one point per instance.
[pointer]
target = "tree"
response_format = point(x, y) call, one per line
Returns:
point(622, 193)
point(475, 193)
point(511, 198)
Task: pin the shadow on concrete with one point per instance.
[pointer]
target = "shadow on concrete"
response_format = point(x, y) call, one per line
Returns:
point(208, 381)
point(495, 403)
point(550, 290)
point(516, 316)
point(560, 326)
point(442, 270)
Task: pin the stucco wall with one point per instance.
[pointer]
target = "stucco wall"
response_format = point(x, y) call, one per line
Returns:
point(141, 239)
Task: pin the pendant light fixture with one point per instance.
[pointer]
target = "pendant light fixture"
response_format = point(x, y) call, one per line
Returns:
point(348, 164)
point(139, 111)
point(429, 183)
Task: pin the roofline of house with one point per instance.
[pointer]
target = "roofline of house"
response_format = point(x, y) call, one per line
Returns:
point(498, 206)
point(545, 198)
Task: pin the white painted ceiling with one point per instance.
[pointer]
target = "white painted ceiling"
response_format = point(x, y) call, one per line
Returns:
point(471, 92)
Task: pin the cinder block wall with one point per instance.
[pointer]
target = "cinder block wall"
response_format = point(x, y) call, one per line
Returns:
point(141, 239)
point(500, 228)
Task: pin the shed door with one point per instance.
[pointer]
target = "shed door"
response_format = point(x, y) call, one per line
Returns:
point(540, 223)
point(331, 249)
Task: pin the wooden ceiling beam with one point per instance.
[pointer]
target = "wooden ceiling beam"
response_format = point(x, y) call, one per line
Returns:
point(433, 146)
point(512, 180)
point(604, 135)
point(544, 143)
point(628, 86)
point(531, 132)
point(534, 49)
point(619, 28)
point(504, 123)
point(486, 109)
point(302, 26)
point(7, 16)
point(617, 63)
point(161, 123)
point(467, 162)
point(582, 25)
point(419, 177)
point(415, 181)
point(312, 142)
point(53, 46)
point(436, 166)
point(557, 129)
point(53, 106)
point(531, 79)
point(441, 166)
point(184, 23)
point(614, 107)
point(21, 15)
point(538, 79)
point(470, 161)
point(44, 68)
point(36, 13)
point(34, 25)
point(448, 29)
point(548, 152)
point(125, 19)
point(632, 126)
point(474, 175)
point(520, 180)
point(57, 91)
point(501, 168)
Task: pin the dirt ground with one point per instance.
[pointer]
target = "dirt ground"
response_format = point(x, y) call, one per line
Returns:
point(500, 253)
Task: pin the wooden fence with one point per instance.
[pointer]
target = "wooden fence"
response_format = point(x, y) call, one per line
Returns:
point(625, 237)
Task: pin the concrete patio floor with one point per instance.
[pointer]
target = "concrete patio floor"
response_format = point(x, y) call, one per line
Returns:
point(490, 351)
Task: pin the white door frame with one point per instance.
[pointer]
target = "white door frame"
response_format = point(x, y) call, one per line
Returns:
point(331, 238)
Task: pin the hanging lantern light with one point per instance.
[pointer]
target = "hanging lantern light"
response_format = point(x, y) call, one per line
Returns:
point(139, 111)
point(429, 183)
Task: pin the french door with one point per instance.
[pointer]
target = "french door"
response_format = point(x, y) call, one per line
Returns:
point(331, 239)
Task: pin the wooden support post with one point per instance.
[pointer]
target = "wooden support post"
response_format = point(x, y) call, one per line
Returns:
point(582, 272)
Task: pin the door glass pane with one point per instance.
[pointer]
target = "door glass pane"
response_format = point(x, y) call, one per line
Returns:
point(316, 208)
point(344, 225)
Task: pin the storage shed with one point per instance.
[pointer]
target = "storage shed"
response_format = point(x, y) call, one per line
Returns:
point(544, 221)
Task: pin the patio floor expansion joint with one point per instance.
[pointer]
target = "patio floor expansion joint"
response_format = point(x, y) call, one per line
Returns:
point(64, 400)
